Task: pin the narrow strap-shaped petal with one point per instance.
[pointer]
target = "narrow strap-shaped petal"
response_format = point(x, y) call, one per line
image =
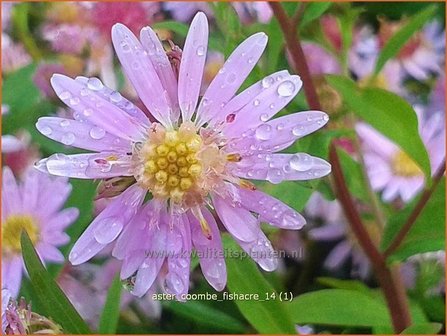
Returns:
point(53, 193)
point(11, 144)
point(81, 135)
point(278, 133)
point(141, 73)
point(156, 255)
point(276, 168)
point(115, 98)
point(247, 96)
point(97, 110)
point(210, 251)
point(237, 220)
point(179, 257)
point(107, 225)
point(30, 188)
point(261, 251)
point(192, 64)
point(264, 106)
point(12, 272)
point(271, 209)
point(49, 253)
point(11, 197)
point(88, 166)
point(162, 66)
point(63, 219)
point(229, 79)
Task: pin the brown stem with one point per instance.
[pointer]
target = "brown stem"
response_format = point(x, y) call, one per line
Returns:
point(416, 212)
point(389, 282)
point(296, 18)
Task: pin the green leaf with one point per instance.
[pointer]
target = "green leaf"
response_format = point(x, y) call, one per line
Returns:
point(206, 315)
point(423, 329)
point(339, 307)
point(354, 285)
point(244, 277)
point(108, 321)
point(389, 114)
point(53, 299)
point(313, 11)
point(291, 193)
point(427, 233)
point(177, 27)
point(401, 37)
point(353, 175)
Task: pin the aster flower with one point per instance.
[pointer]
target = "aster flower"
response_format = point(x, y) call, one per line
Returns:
point(18, 319)
point(194, 159)
point(335, 229)
point(392, 171)
point(33, 205)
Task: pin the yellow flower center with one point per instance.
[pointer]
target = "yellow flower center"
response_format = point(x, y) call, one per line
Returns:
point(177, 164)
point(12, 229)
point(403, 165)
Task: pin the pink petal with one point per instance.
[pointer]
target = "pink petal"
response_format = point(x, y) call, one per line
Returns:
point(328, 232)
point(192, 64)
point(264, 106)
point(49, 253)
point(62, 219)
point(278, 133)
point(115, 98)
point(53, 193)
point(81, 135)
point(271, 210)
point(338, 255)
point(179, 257)
point(141, 73)
point(247, 96)
point(238, 221)
point(30, 189)
point(375, 141)
point(261, 251)
point(94, 108)
point(131, 263)
point(11, 198)
point(11, 144)
point(162, 66)
point(209, 251)
point(233, 73)
point(87, 166)
point(156, 252)
point(276, 168)
point(116, 215)
point(12, 275)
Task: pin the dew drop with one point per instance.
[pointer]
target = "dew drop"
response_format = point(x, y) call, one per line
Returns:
point(274, 175)
point(115, 97)
point(256, 102)
point(267, 82)
point(263, 132)
point(200, 51)
point(46, 130)
point(65, 123)
point(68, 139)
point(125, 46)
point(231, 77)
point(74, 101)
point(326, 117)
point(264, 117)
point(107, 230)
point(280, 127)
point(97, 133)
point(65, 95)
point(286, 88)
point(94, 84)
point(297, 131)
point(301, 162)
point(88, 112)
point(84, 92)
point(250, 60)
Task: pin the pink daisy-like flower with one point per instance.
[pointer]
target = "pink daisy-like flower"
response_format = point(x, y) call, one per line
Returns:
point(192, 161)
point(390, 169)
point(35, 206)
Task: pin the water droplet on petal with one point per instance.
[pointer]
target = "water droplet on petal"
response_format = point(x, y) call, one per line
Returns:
point(97, 133)
point(46, 130)
point(267, 82)
point(275, 175)
point(231, 77)
point(264, 117)
point(65, 123)
point(115, 97)
point(286, 88)
point(107, 230)
point(88, 112)
point(250, 60)
point(297, 131)
point(263, 132)
point(326, 117)
point(200, 51)
point(125, 46)
point(256, 102)
point(94, 84)
point(280, 126)
point(301, 162)
point(65, 95)
point(68, 139)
